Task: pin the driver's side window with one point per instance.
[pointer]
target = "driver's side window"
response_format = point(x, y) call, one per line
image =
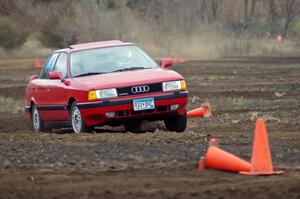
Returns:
point(48, 66)
point(61, 64)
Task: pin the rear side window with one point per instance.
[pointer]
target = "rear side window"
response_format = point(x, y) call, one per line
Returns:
point(48, 66)
point(61, 64)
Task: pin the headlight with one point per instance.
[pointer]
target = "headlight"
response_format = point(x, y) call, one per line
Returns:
point(104, 93)
point(174, 85)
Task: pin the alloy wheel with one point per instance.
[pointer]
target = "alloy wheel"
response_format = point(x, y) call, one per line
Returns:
point(76, 120)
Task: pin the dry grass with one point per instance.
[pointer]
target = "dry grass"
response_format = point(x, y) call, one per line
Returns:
point(11, 105)
point(239, 102)
point(195, 47)
point(31, 48)
point(178, 33)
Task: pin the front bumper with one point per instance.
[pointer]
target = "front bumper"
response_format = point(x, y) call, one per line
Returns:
point(94, 113)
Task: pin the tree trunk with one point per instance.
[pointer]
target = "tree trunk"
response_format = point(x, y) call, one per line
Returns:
point(245, 14)
point(274, 25)
point(272, 10)
point(214, 9)
point(253, 2)
point(289, 15)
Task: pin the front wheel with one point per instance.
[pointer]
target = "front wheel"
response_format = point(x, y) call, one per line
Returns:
point(37, 123)
point(78, 124)
point(176, 123)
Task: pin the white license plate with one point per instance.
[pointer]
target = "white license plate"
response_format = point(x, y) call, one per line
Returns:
point(143, 104)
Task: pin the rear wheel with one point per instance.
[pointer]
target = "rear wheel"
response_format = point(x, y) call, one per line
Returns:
point(78, 124)
point(37, 123)
point(177, 123)
point(134, 127)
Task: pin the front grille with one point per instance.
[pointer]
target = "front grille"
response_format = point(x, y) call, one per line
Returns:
point(156, 87)
point(159, 109)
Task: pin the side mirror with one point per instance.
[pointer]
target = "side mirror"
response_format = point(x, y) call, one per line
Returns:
point(166, 62)
point(55, 75)
point(33, 77)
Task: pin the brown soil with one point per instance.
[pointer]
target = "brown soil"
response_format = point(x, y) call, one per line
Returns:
point(110, 163)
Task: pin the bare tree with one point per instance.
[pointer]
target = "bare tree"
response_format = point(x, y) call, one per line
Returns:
point(245, 13)
point(273, 16)
point(203, 9)
point(252, 10)
point(273, 13)
point(210, 8)
point(289, 15)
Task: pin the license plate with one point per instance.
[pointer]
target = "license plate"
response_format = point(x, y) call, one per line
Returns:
point(143, 104)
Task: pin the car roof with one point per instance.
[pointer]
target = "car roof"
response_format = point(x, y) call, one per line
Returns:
point(92, 45)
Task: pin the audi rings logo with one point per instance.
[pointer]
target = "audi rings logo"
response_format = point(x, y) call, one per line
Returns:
point(140, 89)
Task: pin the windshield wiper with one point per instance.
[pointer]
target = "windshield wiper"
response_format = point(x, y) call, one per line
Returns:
point(129, 68)
point(91, 73)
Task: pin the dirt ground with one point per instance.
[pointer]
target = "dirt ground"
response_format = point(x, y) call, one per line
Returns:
point(111, 163)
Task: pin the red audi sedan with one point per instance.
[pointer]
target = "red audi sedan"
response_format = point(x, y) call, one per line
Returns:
point(105, 83)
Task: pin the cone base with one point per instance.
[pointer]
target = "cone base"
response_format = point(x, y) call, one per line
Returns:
point(201, 165)
point(207, 112)
point(261, 173)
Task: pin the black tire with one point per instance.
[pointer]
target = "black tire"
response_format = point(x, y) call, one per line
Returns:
point(77, 122)
point(177, 123)
point(37, 123)
point(134, 127)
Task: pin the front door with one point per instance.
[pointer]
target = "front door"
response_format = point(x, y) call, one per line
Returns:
point(58, 92)
point(41, 91)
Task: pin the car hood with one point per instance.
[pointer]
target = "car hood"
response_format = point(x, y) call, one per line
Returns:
point(126, 78)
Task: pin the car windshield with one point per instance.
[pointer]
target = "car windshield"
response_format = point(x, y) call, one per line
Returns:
point(107, 60)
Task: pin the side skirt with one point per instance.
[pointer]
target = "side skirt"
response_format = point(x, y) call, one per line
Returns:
point(57, 125)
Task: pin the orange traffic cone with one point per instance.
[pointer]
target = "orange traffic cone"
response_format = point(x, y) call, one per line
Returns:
point(201, 164)
point(261, 161)
point(217, 158)
point(175, 60)
point(38, 63)
point(203, 111)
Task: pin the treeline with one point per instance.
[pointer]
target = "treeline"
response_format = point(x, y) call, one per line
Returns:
point(57, 23)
